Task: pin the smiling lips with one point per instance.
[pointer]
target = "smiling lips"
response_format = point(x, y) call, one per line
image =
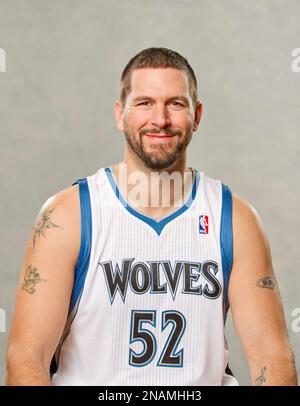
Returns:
point(159, 135)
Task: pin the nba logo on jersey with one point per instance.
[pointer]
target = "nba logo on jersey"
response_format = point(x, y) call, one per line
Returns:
point(203, 224)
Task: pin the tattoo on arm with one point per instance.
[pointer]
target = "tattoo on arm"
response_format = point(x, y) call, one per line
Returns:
point(32, 277)
point(43, 222)
point(261, 379)
point(268, 282)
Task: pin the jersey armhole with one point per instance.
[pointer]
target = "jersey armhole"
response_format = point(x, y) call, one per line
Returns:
point(83, 260)
point(226, 241)
point(81, 267)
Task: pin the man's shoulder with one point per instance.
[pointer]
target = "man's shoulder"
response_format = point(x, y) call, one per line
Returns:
point(243, 209)
point(58, 222)
point(64, 208)
point(66, 198)
point(67, 201)
point(247, 224)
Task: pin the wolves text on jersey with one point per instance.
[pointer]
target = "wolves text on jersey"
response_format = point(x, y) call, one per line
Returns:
point(141, 277)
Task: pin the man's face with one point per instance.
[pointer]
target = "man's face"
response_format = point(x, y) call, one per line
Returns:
point(158, 118)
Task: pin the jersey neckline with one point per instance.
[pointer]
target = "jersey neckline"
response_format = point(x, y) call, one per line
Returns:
point(159, 225)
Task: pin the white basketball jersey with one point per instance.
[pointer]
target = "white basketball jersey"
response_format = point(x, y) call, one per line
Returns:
point(149, 301)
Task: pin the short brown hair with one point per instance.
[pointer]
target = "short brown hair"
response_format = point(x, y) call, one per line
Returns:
point(158, 58)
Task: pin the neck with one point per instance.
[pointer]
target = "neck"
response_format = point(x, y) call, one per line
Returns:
point(155, 193)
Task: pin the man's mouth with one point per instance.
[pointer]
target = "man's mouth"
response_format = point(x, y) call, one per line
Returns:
point(155, 135)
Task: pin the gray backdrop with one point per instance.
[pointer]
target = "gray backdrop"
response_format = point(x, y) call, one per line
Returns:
point(63, 63)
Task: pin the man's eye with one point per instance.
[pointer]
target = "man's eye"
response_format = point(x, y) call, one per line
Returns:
point(176, 103)
point(144, 103)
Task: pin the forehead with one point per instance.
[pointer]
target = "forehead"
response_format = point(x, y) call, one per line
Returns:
point(159, 81)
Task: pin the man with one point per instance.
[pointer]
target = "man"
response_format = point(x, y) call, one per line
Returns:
point(127, 290)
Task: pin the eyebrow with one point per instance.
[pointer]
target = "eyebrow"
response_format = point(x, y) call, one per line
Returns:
point(144, 98)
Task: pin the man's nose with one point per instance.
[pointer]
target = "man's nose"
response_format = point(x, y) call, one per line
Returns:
point(160, 116)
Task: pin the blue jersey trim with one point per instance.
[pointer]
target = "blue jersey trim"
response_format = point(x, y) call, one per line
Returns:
point(226, 240)
point(85, 244)
point(156, 225)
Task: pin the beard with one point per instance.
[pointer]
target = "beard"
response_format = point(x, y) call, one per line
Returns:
point(160, 157)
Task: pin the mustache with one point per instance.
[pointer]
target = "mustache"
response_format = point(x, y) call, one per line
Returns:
point(167, 131)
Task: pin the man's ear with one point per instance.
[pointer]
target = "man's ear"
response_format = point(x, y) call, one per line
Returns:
point(119, 115)
point(198, 114)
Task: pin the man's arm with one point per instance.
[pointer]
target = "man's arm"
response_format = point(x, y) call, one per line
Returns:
point(44, 290)
point(255, 302)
